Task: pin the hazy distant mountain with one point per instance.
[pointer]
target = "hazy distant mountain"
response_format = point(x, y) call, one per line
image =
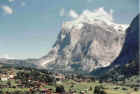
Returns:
point(20, 63)
point(86, 43)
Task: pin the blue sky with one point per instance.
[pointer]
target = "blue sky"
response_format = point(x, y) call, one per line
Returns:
point(28, 28)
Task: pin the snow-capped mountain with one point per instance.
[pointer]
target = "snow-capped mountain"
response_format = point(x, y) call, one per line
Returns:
point(91, 41)
point(127, 63)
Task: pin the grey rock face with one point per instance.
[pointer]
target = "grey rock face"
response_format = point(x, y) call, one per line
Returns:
point(88, 43)
point(85, 44)
point(131, 45)
point(128, 54)
point(84, 49)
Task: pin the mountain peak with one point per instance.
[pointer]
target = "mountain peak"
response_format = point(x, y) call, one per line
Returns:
point(86, 43)
point(98, 17)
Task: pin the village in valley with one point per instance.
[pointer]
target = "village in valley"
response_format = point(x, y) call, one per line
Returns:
point(33, 81)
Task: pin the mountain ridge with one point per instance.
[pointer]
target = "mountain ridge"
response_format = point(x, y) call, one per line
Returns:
point(129, 52)
point(85, 44)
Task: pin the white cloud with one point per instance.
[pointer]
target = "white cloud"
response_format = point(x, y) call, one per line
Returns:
point(73, 14)
point(7, 9)
point(23, 4)
point(6, 56)
point(87, 16)
point(111, 12)
point(11, 1)
point(102, 14)
point(70, 13)
point(62, 12)
point(89, 1)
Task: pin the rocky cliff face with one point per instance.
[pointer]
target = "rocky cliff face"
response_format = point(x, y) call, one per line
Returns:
point(129, 54)
point(131, 45)
point(90, 42)
point(86, 43)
